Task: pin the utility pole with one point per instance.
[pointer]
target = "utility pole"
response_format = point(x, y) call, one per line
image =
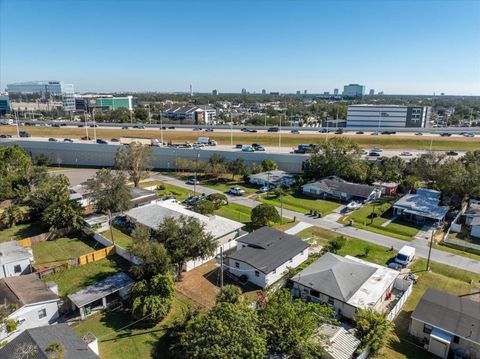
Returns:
point(94, 127)
point(430, 250)
point(16, 119)
point(86, 123)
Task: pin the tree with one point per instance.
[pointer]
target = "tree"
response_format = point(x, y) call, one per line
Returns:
point(55, 351)
point(227, 331)
point(374, 329)
point(451, 181)
point(15, 168)
point(426, 166)
point(110, 193)
point(269, 165)
point(218, 199)
point(185, 239)
point(216, 165)
point(290, 324)
point(135, 159)
point(237, 167)
point(153, 256)
point(65, 214)
point(11, 216)
point(141, 114)
point(408, 184)
point(393, 169)
point(334, 245)
point(205, 207)
point(264, 214)
point(153, 298)
point(230, 294)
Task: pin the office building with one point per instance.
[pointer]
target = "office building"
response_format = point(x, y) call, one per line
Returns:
point(215, 93)
point(326, 93)
point(387, 116)
point(113, 103)
point(244, 91)
point(335, 91)
point(304, 92)
point(4, 104)
point(299, 92)
point(264, 92)
point(372, 92)
point(353, 91)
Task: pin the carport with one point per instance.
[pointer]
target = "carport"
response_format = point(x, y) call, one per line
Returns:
point(96, 296)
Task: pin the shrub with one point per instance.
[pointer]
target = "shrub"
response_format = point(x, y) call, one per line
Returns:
point(336, 244)
point(204, 207)
point(264, 214)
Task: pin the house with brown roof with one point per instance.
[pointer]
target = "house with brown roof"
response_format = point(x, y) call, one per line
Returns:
point(29, 303)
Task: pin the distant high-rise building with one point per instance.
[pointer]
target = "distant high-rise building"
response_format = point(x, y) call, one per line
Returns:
point(353, 91)
point(304, 92)
point(264, 92)
point(380, 93)
point(299, 92)
point(4, 104)
point(215, 93)
point(326, 93)
point(335, 91)
point(244, 91)
point(47, 89)
point(372, 92)
point(191, 90)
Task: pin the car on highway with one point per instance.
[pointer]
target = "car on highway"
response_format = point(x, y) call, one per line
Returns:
point(239, 146)
point(468, 134)
point(418, 134)
point(376, 133)
point(94, 126)
point(115, 140)
point(236, 191)
point(247, 149)
point(452, 153)
point(124, 127)
point(197, 128)
point(364, 152)
point(192, 181)
point(273, 129)
point(102, 142)
point(338, 131)
point(68, 140)
point(81, 126)
point(388, 132)
point(323, 130)
point(445, 134)
point(5, 136)
point(51, 139)
point(171, 127)
point(359, 133)
point(139, 127)
point(85, 138)
point(376, 149)
point(295, 132)
point(374, 154)
point(24, 134)
point(209, 130)
point(257, 147)
point(406, 154)
point(55, 125)
point(252, 130)
point(244, 129)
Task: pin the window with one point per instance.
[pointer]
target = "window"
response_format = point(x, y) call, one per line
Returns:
point(330, 300)
point(237, 265)
point(427, 329)
point(314, 293)
point(257, 273)
point(456, 339)
point(42, 313)
point(17, 268)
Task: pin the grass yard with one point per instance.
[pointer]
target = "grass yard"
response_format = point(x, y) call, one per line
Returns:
point(60, 250)
point(169, 190)
point(460, 252)
point(298, 202)
point(136, 341)
point(122, 239)
point(224, 185)
point(21, 231)
point(77, 277)
point(362, 218)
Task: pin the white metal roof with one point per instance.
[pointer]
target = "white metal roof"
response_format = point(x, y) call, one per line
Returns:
point(11, 251)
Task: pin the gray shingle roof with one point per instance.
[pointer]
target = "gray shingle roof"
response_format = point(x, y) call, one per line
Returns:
point(335, 276)
point(41, 337)
point(24, 289)
point(268, 248)
point(334, 183)
point(456, 315)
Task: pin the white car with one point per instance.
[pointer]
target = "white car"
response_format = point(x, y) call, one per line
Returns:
point(236, 191)
point(406, 154)
point(353, 206)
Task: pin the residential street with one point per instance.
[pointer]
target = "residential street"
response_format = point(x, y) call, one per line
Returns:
point(421, 246)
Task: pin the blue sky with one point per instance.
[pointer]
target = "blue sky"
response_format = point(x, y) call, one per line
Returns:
point(408, 47)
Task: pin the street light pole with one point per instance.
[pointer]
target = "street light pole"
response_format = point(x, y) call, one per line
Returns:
point(195, 180)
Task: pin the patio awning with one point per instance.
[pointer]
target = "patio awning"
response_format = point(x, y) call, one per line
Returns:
point(100, 289)
point(441, 336)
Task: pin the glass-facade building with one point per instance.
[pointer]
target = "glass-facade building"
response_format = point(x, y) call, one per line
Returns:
point(113, 103)
point(4, 105)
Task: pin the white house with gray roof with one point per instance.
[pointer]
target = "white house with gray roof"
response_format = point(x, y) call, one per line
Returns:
point(345, 283)
point(265, 255)
point(273, 178)
point(14, 259)
point(422, 206)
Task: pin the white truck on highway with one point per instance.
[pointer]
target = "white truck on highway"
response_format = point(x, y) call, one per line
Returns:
point(143, 141)
point(206, 141)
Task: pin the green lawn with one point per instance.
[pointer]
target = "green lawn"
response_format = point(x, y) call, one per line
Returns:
point(298, 202)
point(60, 250)
point(136, 341)
point(460, 252)
point(362, 218)
point(169, 190)
point(224, 185)
point(122, 239)
point(78, 277)
point(21, 231)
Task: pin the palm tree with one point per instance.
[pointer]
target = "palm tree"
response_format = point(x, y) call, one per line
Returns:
point(374, 329)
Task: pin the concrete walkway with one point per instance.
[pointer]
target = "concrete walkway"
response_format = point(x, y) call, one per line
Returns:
point(300, 226)
point(421, 247)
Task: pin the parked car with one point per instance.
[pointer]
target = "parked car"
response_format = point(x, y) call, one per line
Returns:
point(51, 139)
point(353, 206)
point(395, 266)
point(24, 134)
point(69, 140)
point(406, 154)
point(236, 191)
point(405, 255)
point(102, 142)
point(244, 129)
point(94, 126)
point(323, 130)
point(247, 149)
point(192, 181)
point(192, 199)
point(452, 153)
point(55, 125)
point(265, 189)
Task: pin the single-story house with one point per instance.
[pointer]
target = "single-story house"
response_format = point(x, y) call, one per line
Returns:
point(273, 178)
point(447, 323)
point(31, 303)
point(338, 342)
point(138, 196)
point(475, 227)
point(14, 259)
point(388, 188)
point(223, 230)
point(346, 283)
point(472, 217)
point(40, 338)
point(336, 188)
point(97, 221)
point(265, 255)
point(96, 296)
point(422, 206)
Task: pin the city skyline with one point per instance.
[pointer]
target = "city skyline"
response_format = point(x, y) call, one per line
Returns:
point(277, 46)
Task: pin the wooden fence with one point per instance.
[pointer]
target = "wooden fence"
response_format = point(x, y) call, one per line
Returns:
point(27, 243)
point(96, 255)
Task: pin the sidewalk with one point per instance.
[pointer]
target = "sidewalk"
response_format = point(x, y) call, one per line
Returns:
point(421, 246)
